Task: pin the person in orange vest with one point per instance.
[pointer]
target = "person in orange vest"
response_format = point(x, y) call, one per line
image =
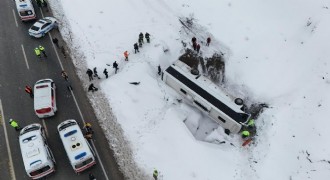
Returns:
point(126, 55)
point(28, 90)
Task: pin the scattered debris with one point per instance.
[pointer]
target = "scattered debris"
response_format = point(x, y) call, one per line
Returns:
point(135, 83)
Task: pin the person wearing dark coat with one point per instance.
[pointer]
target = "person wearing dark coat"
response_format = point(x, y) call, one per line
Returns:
point(159, 70)
point(140, 43)
point(193, 40)
point(90, 74)
point(136, 48)
point(141, 36)
point(92, 88)
point(208, 41)
point(105, 72)
point(55, 41)
point(115, 65)
point(147, 35)
point(197, 48)
point(95, 73)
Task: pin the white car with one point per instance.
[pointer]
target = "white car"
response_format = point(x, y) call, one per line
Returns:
point(42, 26)
point(45, 98)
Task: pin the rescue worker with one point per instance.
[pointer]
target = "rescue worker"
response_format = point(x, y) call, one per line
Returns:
point(115, 65)
point(126, 55)
point(28, 90)
point(92, 88)
point(105, 72)
point(37, 51)
point(141, 37)
point(208, 41)
point(147, 35)
point(89, 132)
point(140, 42)
point(159, 70)
point(155, 174)
point(14, 124)
point(195, 46)
point(136, 48)
point(65, 75)
point(42, 49)
point(251, 123)
point(55, 41)
point(193, 40)
point(95, 73)
point(198, 48)
point(89, 72)
point(245, 134)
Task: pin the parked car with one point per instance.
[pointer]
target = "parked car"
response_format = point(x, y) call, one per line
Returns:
point(42, 26)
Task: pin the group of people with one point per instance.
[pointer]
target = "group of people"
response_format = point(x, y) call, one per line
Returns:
point(141, 41)
point(248, 130)
point(42, 3)
point(38, 50)
point(196, 46)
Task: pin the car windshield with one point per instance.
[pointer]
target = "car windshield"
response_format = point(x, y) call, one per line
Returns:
point(47, 20)
point(35, 28)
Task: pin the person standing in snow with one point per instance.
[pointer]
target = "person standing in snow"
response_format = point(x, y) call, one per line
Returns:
point(208, 41)
point(89, 72)
point(193, 40)
point(29, 90)
point(126, 55)
point(197, 48)
point(136, 48)
point(155, 174)
point(147, 35)
point(95, 73)
point(245, 134)
point(105, 72)
point(141, 37)
point(159, 70)
point(140, 43)
point(115, 65)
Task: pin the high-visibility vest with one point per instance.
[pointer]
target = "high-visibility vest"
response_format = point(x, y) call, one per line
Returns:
point(37, 51)
point(41, 48)
point(155, 173)
point(246, 133)
point(251, 122)
point(14, 124)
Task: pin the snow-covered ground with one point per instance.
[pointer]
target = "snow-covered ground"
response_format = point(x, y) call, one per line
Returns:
point(277, 52)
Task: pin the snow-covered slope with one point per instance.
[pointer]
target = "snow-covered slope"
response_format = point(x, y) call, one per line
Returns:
point(276, 52)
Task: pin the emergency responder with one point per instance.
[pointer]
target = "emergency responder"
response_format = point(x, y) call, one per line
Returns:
point(147, 35)
point(245, 134)
point(37, 51)
point(28, 90)
point(14, 124)
point(42, 49)
point(155, 174)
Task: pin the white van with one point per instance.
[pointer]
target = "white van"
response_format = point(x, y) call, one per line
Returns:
point(25, 10)
point(45, 98)
point(37, 157)
point(77, 148)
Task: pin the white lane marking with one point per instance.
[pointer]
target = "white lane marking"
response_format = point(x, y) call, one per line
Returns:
point(26, 61)
point(97, 154)
point(58, 57)
point(45, 127)
point(12, 169)
point(15, 17)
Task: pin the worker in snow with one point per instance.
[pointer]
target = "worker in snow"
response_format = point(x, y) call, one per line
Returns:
point(245, 134)
point(155, 174)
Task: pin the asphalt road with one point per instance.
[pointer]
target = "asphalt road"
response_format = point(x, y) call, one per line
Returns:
point(15, 73)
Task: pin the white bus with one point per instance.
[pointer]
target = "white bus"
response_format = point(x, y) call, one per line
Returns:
point(37, 157)
point(206, 96)
point(25, 10)
point(78, 150)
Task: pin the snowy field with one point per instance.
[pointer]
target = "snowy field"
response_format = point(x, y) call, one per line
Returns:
point(276, 52)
